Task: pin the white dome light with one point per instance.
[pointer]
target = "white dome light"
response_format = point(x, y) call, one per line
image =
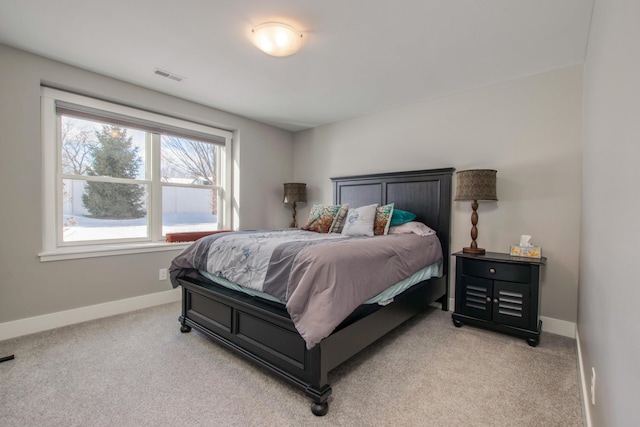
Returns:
point(277, 39)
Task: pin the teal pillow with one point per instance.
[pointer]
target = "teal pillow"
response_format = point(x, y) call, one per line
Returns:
point(399, 217)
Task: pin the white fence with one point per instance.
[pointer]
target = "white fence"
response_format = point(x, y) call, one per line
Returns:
point(175, 200)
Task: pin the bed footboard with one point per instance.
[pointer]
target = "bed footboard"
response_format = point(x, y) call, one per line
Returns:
point(266, 335)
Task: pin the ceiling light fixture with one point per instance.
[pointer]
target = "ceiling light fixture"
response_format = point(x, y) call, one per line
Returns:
point(277, 39)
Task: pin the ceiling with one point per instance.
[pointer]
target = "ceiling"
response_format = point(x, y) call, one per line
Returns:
point(359, 56)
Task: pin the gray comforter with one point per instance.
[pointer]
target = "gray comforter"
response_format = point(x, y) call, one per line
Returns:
point(322, 278)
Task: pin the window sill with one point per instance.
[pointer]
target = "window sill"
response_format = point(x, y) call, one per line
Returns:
point(93, 251)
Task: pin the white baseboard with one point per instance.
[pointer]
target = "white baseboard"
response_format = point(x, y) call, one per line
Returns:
point(584, 387)
point(45, 322)
point(558, 327)
point(549, 324)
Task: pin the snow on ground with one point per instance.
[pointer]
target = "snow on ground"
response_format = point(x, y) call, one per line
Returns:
point(81, 228)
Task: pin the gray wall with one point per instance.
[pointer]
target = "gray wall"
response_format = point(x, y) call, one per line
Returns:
point(29, 287)
point(527, 129)
point(608, 314)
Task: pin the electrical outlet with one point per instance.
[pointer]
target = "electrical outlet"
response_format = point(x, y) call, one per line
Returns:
point(162, 274)
point(593, 386)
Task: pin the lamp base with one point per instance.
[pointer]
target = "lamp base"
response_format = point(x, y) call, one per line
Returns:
point(294, 222)
point(474, 251)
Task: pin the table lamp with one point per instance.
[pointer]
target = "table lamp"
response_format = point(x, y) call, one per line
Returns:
point(475, 185)
point(294, 192)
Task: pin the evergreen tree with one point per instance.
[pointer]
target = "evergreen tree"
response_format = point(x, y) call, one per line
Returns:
point(114, 156)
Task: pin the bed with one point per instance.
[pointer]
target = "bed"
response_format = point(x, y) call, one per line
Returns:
point(263, 331)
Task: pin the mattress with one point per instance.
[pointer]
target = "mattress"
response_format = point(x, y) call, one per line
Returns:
point(383, 298)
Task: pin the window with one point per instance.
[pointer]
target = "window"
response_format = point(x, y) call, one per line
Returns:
point(118, 179)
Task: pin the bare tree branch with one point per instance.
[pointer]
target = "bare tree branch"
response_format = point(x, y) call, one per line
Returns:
point(195, 160)
point(76, 149)
point(185, 158)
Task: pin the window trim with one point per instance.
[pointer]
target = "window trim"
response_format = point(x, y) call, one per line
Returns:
point(52, 249)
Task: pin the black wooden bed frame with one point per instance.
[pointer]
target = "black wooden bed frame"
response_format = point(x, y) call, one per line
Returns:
point(262, 331)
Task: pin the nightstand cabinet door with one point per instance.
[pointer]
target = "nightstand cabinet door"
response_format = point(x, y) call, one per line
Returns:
point(503, 302)
point(475, 296)
point(511, 302)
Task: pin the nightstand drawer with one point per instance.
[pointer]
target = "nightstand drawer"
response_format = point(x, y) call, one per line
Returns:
point(497, 270)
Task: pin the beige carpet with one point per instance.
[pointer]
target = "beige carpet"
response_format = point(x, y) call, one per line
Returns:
point(138, 369)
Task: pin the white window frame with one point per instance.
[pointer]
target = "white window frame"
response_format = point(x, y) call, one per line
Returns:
point(53, 247)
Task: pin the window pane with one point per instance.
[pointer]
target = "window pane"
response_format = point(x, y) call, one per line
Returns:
point(189, 209)
point(103, 210)
point(187, 161)
point(100, 149)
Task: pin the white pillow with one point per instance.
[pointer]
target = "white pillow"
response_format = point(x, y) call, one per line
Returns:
point(359, 221)
point(414, 227)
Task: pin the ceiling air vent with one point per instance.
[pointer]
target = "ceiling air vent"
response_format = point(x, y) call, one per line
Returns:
point(172, 76)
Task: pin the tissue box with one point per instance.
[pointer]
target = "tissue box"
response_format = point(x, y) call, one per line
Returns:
point(526, 251)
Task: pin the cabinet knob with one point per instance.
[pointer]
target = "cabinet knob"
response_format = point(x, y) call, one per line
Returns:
point(492, 270)
point(495, 300)
point(488, 299)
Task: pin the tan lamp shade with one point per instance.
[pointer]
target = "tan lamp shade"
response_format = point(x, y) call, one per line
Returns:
point(474, 185)
point(295, 192)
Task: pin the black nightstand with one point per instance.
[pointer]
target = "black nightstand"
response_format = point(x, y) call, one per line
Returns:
point(499, 292)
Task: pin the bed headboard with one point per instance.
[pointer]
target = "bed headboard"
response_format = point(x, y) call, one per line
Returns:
point(426, 193)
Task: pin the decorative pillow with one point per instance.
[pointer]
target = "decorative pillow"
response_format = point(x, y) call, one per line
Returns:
point(321, 218)
point(359, 221)
point(400, 217)
point(383, 219)
point(338, 223)
point(412, 227)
